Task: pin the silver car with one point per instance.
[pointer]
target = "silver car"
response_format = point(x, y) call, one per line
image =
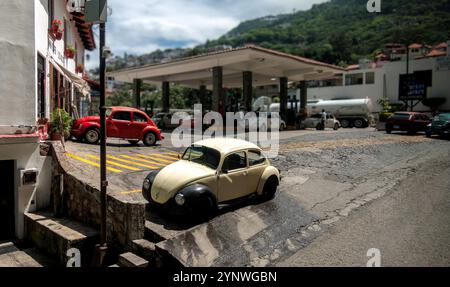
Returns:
point(315, 122)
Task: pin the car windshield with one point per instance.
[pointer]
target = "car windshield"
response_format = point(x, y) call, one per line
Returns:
point(202, 155)
point(401, 117)
point(442, 118)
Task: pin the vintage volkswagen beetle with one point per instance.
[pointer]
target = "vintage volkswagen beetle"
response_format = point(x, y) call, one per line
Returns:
point(211, 174)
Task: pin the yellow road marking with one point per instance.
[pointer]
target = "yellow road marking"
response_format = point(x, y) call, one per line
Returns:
point(92, 163)
point(115, 163)
point(132, 191)
point(131, 162)
point(172, 153)
point(160, 158)
point(143, 160)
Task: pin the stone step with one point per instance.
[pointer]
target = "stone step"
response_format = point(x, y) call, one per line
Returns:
point(55, 236)
point(146, 249)
point(132, 260)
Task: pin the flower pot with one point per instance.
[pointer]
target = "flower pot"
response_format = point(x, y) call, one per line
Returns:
point(69, 54)
point(56, 136)
point(58, 35)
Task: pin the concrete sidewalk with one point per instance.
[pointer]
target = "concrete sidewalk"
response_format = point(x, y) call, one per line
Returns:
point(12, 256)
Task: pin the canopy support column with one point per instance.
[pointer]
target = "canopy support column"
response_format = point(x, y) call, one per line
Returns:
point(303, 99)
point(137, 88)
point(284, 98)
point(248, 89)
point(218, 100)
point(166, 97)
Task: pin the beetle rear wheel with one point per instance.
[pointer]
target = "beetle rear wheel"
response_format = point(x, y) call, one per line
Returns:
point(92, 136)
point(270, 188)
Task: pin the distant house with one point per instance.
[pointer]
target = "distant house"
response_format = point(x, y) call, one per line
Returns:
point(42, 54)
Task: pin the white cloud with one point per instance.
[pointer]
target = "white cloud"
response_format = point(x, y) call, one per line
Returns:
point(143, 26)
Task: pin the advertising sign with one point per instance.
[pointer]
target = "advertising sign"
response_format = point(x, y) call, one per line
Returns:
point(413, 87)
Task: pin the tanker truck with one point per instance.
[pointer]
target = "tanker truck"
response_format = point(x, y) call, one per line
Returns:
point(350, 113)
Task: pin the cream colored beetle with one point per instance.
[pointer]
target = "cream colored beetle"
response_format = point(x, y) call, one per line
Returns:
point(212, 173)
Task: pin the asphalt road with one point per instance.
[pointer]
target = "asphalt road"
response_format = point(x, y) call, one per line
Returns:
point(342, 193)
point(410, 226)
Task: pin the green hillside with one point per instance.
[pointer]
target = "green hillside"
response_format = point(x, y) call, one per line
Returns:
point(342, 31)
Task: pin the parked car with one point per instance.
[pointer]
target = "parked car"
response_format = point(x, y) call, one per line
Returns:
point(440, 126)
point(121, 122)
point(315, 122)
point(408, 122)
point(211, 174)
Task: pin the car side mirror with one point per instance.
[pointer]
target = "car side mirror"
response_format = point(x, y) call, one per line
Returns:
point(179, 157)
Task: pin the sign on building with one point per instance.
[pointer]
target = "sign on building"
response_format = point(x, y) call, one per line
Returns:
point(96, 11)
point(414, 87)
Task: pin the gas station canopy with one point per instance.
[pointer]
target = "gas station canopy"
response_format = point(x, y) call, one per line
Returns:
point(267, 67)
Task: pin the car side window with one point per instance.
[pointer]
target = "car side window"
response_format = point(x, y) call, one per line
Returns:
point(139, 118)
point(255, 158)
point(235, 161)
point(122, 116)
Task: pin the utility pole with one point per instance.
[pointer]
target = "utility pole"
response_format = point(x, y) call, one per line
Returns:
point(102, 248)
point(96, 13)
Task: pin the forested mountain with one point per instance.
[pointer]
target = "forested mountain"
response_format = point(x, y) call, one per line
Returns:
point(343, 31)
point(338, 31)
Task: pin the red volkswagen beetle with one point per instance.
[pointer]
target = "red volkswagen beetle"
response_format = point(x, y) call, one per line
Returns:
point(121, 122)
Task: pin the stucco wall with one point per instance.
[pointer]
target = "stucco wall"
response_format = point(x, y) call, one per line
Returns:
point(17, 62)
point(26, 154)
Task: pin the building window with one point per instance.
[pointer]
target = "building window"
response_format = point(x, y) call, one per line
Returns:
point(354, 79)
point(41, 86)
point(51, 12)
point(370, 78)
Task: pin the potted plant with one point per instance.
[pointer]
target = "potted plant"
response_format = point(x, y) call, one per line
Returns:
point(80, 69)
point(56, 31)
point(70, 52)
point(60, 125)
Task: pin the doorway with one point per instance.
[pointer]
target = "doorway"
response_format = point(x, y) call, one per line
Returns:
point(7, 216)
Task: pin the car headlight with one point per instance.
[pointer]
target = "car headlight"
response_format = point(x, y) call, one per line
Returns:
point(180, 200)
point(147, 184)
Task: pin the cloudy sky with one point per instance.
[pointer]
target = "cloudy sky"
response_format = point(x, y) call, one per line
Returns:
point(148, 25)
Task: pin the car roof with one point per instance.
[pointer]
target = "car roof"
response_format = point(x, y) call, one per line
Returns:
point(125, 109)
point(227, 145)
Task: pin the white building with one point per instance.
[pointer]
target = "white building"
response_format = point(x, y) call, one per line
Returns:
point(381, 79)
point(37, 76)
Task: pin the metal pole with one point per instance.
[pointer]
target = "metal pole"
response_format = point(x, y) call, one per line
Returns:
point(102, 247)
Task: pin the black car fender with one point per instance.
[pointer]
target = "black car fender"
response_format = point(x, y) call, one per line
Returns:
point(147, 193)
point(196, 191)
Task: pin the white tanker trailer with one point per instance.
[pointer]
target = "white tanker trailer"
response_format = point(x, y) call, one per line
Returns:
point(350, 113)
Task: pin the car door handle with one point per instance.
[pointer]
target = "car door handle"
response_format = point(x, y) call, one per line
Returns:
point(245, 173)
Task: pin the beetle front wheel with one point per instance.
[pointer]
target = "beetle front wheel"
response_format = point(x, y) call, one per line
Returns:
point(150, 139)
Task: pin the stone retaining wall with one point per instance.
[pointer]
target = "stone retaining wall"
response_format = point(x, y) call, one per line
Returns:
point(80, 200)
